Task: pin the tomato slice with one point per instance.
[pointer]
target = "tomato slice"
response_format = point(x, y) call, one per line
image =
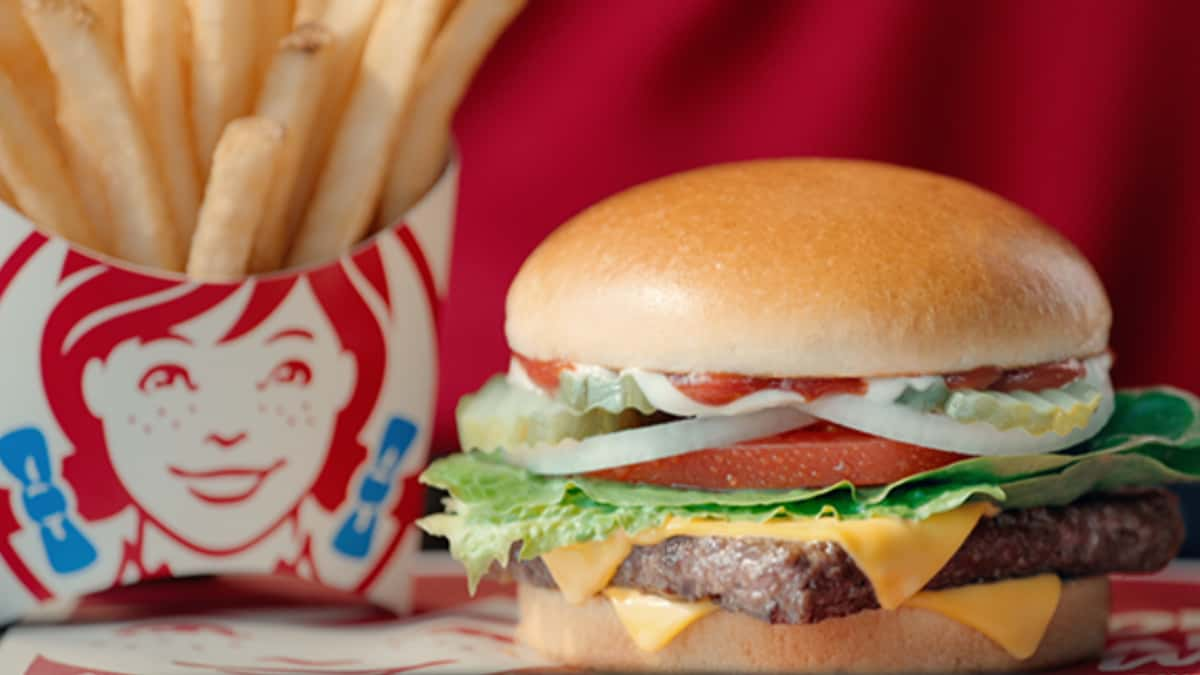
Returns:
point(815, 456)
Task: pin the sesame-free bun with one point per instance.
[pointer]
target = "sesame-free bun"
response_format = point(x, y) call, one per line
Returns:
point(807, 267)
point(903, 640)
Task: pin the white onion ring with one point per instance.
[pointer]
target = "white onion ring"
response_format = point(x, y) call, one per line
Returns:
point(932, 430)
point(658, 441)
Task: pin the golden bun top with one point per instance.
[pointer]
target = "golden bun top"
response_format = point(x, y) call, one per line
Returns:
point(806, 267)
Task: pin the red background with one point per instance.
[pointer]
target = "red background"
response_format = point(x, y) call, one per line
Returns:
point(1087, 113)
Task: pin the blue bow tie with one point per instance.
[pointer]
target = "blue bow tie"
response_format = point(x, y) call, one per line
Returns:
point(354, 537)
point(24, 454)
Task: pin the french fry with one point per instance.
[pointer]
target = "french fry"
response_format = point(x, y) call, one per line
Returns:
point(103, 114)
point(349, 22)
point(352, 179)
point(224, 56)
point(25, 63)
point(308, 11)
point(456, 54)
point(6, 194)
point(35, 171)
point(292, 96)
point(154, 64)
point(243, 166)
point(447, 10)
point(185, 53)
point(83, 160)
point(109, 14)
point(274, 22)
point(85, 163)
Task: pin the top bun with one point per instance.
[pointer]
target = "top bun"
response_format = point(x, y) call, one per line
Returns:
point(807, 268)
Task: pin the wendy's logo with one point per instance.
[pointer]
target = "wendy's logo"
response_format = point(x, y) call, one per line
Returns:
point(173, 428)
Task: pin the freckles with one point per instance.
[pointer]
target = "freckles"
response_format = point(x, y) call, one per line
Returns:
point(132, 420)
point(291, 421)
point(306, 406)
point(262, 408)
point(175, 425)
point(162, 412)
point(310, 421)
point(192, 408)
point(147, 429)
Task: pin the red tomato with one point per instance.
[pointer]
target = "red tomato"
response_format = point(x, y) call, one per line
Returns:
point(815, 456)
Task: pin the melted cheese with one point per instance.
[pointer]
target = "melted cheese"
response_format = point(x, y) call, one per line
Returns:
point(1013, 613)
point(583, 570)
point(653, 621)
point(898, 556)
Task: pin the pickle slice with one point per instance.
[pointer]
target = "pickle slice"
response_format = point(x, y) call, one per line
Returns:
point(503, 416)
point(929, 399)
point(1059, 410)
point(587, 392)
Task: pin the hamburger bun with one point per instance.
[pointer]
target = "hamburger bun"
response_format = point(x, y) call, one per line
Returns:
point(807, 268)
point(903, 640)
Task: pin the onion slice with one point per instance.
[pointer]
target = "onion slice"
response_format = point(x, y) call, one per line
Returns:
point(941, 432)
point(644, 444)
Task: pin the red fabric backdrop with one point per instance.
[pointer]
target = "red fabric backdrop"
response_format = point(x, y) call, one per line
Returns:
point(1087, 113)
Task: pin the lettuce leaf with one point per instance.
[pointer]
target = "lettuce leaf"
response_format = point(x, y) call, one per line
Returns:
point(1153, 438)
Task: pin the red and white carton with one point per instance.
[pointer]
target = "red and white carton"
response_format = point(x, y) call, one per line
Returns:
point(152, 426)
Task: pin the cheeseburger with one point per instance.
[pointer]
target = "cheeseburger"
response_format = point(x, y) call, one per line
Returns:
point(812, 414)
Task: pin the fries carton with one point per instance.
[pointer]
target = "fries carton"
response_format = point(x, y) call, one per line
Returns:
point(152, 426)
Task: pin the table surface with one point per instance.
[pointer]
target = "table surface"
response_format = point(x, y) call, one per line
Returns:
point(257, 626)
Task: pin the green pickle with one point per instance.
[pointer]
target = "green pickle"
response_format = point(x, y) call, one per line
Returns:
point(1054, 410)
point(924, 400)
point(584, 393)
point(501, 416)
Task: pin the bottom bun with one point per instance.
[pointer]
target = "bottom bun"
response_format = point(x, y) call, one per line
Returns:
point(905, 640)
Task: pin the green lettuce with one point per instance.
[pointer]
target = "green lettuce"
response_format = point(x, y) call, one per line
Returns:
point(1153, 438)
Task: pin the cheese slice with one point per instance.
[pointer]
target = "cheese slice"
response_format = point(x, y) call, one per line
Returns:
point(653, 621)
point(898, 556)
point(1014, 613)
point(583, 570)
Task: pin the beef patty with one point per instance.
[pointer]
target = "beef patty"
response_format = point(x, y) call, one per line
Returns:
point(792, 583)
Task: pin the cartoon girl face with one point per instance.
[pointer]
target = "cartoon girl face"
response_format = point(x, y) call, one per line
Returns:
point(218, 440)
